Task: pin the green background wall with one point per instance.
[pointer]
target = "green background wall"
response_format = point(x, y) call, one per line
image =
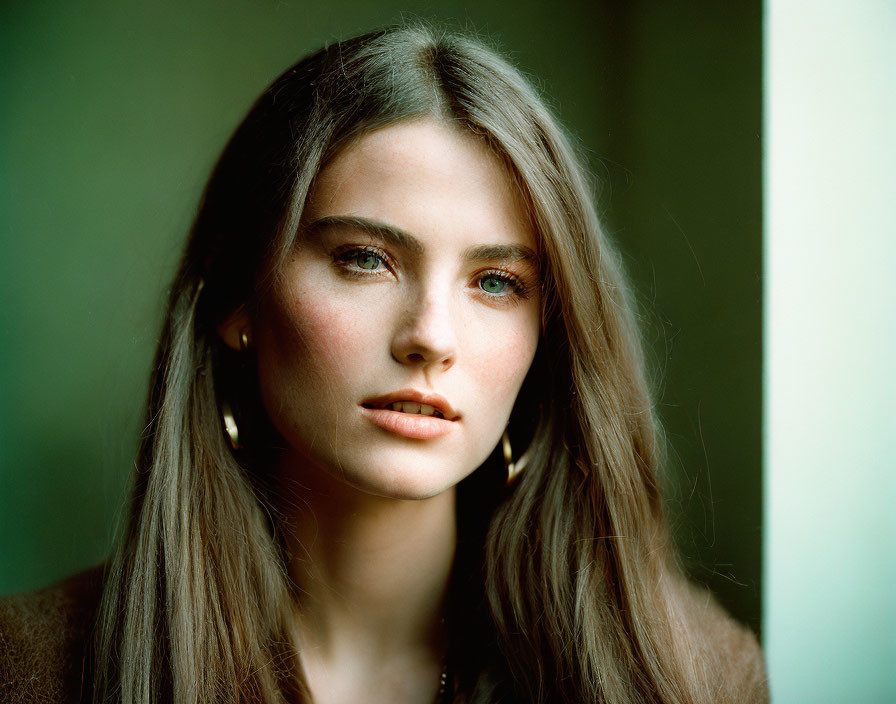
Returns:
point(113, 115)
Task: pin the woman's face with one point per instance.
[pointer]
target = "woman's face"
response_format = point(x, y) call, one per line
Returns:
point(415, 281)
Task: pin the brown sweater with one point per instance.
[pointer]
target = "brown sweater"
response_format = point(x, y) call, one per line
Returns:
point(45, 637)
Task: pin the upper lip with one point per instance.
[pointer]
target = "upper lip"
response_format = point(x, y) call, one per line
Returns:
point(424, 397)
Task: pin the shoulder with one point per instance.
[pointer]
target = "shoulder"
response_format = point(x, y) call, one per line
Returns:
point(735, 664)
point(45, 638)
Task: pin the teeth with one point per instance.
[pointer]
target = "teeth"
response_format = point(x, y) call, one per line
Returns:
point(412, 407)
point(405, 406)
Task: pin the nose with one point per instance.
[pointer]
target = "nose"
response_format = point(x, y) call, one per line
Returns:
point(426, 334)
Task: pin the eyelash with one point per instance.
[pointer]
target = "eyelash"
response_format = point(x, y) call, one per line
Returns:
point(518, 290)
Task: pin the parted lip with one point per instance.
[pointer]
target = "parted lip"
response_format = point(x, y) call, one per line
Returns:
point(430, 399)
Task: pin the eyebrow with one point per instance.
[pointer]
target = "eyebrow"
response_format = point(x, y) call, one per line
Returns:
point(405, 240)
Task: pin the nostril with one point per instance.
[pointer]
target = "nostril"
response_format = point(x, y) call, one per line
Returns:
point(415, 357)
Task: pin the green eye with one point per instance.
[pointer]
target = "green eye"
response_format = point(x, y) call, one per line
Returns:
point(493, 284)
point(362, 261)
point(367, 260)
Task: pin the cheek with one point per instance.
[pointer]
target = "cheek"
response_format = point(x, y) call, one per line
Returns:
point(331, 330)
point(312, 340)
point(500, 361)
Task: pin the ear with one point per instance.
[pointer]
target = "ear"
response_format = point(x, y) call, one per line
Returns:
point(231, 329)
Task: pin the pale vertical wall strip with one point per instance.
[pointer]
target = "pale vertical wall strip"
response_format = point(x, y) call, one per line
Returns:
point(830, 355)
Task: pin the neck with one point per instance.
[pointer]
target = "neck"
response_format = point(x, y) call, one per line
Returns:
point(372, 571)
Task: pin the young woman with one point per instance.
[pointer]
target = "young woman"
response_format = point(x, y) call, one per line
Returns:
point(399, 445)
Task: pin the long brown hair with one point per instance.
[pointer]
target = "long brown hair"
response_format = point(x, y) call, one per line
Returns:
point(565, 588)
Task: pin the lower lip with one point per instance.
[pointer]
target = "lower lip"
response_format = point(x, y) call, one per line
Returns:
point(409, 425)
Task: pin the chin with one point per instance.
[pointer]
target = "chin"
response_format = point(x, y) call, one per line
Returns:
point(401, 485)
point(403, 475)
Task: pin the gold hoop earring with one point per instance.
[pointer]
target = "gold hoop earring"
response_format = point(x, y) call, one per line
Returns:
point(513, 468)
point(244, 341)
point(230, 426)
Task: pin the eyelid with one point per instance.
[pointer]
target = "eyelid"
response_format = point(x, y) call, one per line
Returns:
point(499, 273)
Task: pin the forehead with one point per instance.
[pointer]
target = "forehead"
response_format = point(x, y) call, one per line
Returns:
point(426, 177)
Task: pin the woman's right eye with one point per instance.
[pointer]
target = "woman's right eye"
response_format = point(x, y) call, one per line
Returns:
point(368, 260)
point(362, 259)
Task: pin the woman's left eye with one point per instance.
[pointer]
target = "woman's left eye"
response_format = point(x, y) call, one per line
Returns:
point(501, 285)
point(494, 284)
